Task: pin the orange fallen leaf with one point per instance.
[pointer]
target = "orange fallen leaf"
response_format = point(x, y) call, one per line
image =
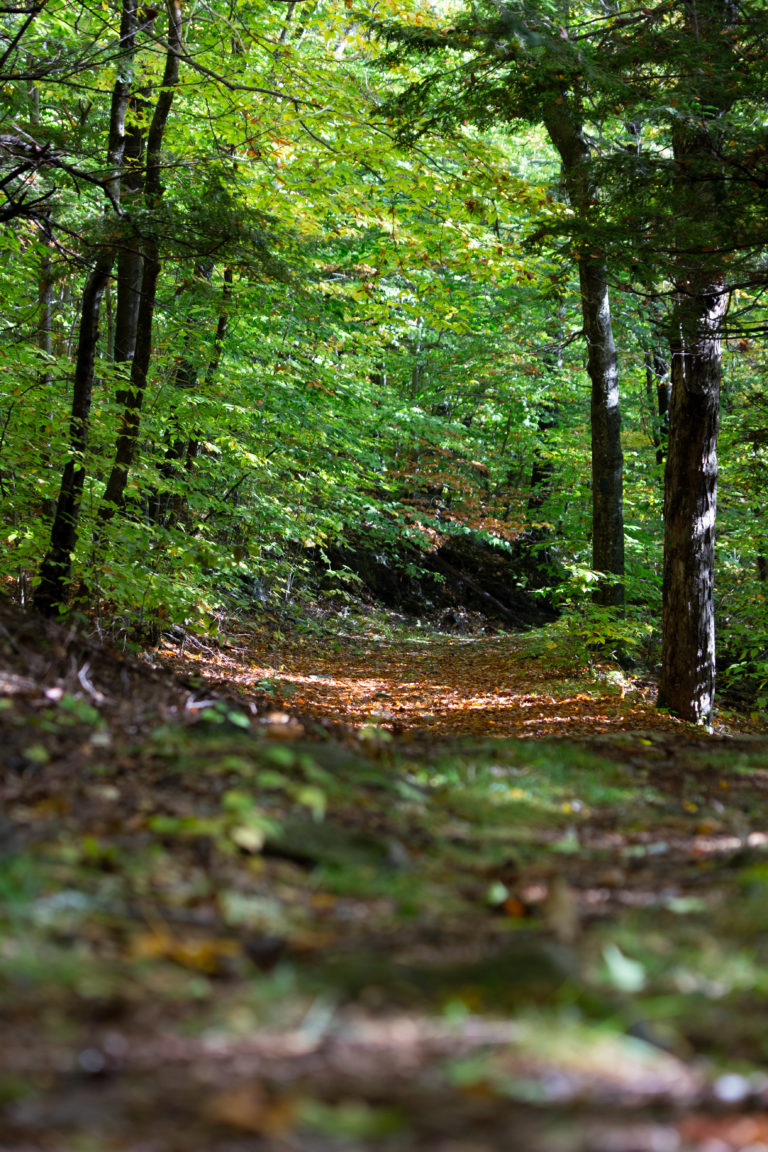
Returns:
point(207, 954)
point(514, 907)
point(250, 1108)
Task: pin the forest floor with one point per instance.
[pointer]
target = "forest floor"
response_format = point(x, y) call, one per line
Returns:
point(364, 885)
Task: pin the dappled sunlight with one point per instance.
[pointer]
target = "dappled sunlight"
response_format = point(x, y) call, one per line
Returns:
point(440, 684)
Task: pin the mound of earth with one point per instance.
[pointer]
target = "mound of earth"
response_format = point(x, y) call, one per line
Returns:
point(463, 575)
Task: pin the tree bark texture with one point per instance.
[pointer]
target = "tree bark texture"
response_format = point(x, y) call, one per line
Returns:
point(567, 135)
point(657, 390)
point(687, 685)
point(56, 569)
point(605, 412)
point(45, 309)
point(130, 420)
point(128, 435)
point(129, 263)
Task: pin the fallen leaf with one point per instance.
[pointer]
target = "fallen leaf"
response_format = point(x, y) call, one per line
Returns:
point(250, 1108)
point(208, 954)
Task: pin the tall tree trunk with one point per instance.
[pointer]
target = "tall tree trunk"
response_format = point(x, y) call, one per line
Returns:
point(687, 683)
point(542, 468)
point(757, 438)
point(130, 420)
point(127, 439)
point(56, 568)
point(45, 309)
point(165, 506)
point(45, 278)
point(658, 392)
point(193, 445)
point(607, 458)
point(55, 571)
point(129, 264)
point(567, 135)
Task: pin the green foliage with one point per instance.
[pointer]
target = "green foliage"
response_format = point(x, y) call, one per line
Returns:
point(372, 216)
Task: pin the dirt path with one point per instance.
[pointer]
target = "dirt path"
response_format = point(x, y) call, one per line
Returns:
point(441, 685)
point(274, 906)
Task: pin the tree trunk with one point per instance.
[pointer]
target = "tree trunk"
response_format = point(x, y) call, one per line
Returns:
point(542, 468)
point(125, 448)
point(130, 420)
point(167, 507)
point(687, 685)
point(657, 391)
point(129, 264)
point(567, 135)
point(45, 310)
point(607, 458)
point(56, 568)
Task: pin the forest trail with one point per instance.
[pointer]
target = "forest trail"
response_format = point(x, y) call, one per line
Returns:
point(308, 896)
point(441, 685)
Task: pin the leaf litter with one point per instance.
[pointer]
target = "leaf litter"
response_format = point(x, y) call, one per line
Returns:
point(381, 889)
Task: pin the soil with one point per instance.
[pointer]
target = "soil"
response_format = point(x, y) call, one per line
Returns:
point(461, 580)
